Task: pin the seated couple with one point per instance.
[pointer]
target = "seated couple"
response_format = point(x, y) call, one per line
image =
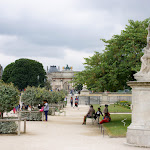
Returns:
point(91, 114)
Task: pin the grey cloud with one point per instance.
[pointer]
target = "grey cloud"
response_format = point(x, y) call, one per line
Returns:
point(51, 35)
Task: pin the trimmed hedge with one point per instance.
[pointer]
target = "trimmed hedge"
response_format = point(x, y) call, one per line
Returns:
point(8, 127)
point(31, 115)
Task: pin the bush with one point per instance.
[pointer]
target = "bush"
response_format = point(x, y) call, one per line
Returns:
point(33, 96)
point(8, 127)
point(32, 116)
point(9, 97)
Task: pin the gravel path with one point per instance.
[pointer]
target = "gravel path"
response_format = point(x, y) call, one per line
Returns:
point(63, 133)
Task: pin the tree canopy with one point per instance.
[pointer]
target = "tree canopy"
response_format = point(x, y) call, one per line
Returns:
point(112, 69)
point(25, 72)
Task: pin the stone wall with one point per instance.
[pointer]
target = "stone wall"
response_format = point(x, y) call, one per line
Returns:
point(83, 100)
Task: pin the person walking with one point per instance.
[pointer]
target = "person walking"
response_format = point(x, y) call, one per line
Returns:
point(46, 109)
point(71, 101)
point(76, 101)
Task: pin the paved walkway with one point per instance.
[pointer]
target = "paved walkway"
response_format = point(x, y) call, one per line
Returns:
point(63, 133)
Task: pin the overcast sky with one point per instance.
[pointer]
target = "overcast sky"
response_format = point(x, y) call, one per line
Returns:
point(60, 32)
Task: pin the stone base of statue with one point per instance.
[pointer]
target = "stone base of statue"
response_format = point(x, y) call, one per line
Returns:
point(84, 92)
point(142, 77)
point(138, 133)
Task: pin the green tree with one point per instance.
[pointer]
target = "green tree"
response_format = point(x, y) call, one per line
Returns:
point(33, 96)
point(25, 72)
point(9, 97)
point(112, 69)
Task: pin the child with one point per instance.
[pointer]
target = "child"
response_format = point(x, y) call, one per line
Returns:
point(106, 118)
point(97, 114)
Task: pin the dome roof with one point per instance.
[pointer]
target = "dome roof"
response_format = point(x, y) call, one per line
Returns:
point(53, 69)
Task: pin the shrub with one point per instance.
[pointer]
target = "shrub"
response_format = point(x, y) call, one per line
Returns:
point(32, 116)
point(33, 96)
point(9, 97)
point(8, 127)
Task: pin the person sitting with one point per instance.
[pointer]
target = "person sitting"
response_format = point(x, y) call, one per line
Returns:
point(106, 118)
point(89, 114)
point(105, 109)
point(97, 114)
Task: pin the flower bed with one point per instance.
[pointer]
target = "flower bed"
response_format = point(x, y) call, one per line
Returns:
point(125, 104)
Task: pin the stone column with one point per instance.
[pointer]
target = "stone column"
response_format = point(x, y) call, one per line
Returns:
point(138, 133)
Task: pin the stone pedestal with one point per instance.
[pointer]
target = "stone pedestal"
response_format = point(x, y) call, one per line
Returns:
point(84, 91)
point(138, 133)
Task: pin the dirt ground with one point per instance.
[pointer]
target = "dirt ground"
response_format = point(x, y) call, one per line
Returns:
point(63, 133)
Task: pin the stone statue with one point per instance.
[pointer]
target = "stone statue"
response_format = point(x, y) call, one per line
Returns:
point(84, 90)
point(84, 87)
point(144, 73)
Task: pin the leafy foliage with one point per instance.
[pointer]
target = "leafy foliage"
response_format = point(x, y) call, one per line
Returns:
point(32, 116)
point(8, 127)
point(112, 69)
point(24, 72)
point(33, 96)
point(9, 97)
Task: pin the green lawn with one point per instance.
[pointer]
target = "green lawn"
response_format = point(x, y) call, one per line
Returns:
point(113, 108)
point(116, 128)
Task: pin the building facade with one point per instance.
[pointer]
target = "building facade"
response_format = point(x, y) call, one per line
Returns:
point(61, 79)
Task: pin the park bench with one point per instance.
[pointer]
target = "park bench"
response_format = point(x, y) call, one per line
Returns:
point(92, 119)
